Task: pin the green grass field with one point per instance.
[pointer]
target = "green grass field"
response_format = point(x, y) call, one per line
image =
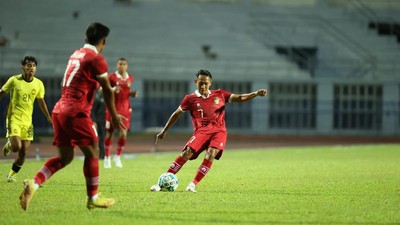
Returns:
point(304, 185)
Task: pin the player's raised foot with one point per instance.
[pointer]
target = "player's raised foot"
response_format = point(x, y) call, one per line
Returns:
point(191, 187)
point(155, 188)
point(107, 162)
point(7, 148)
point(117, 161)
point(100, 202)
point(27, 193)
point(11, 178)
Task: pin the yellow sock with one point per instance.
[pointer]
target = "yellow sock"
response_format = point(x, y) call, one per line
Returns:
point(12, 173)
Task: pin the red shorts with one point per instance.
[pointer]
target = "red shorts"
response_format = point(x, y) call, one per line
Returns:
point(72, 131)
point(200, 142)
point(126, 122)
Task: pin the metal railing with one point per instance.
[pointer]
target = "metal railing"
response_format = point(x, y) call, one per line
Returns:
point(366, 62)
point(53, 62)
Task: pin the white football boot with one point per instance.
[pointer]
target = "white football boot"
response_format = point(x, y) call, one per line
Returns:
point(117, 161)
point(107, 162)
point(155, 188)
point(191, 187)
point(11, 179)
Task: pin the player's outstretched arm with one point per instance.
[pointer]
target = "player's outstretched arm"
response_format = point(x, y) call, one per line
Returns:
point(108, 95)
point(248, 96)
point(171, 121)
point(43, 107)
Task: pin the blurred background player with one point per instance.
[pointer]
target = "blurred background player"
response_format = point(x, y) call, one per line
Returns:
point(121, 81)
point(207, 108)
point(98, 115)
point(71, 118)
point(23, 90)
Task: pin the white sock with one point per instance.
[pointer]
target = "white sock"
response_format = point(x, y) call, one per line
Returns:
point(35, 185)
point(94, 197)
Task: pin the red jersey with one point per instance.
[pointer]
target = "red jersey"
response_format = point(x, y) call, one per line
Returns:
point(208, 113)
point(80, 82)
point(122, 90)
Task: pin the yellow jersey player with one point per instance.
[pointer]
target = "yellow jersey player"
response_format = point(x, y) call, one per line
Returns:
point(23, 90)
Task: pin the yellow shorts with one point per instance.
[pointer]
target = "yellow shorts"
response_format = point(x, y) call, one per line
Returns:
point(24, 132)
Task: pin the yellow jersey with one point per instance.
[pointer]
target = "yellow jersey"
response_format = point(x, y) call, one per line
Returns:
point(22, 98)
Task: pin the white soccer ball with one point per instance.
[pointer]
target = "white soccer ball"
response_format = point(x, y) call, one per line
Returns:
point(168, 182)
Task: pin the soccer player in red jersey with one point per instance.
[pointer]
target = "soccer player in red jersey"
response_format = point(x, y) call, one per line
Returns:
point(207, 108)
point(71, 117)
point(121, 81)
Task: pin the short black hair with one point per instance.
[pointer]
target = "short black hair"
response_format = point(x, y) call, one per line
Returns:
point(122, 59)
point(95, 32)
point(204, 73)
point(27, 59)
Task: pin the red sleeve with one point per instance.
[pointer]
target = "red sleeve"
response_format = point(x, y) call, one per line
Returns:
point(100, 65)
point(185, 105)
point(226, 95)
point(113, 79)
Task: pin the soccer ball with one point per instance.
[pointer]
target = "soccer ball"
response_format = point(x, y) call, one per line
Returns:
point(168, 182)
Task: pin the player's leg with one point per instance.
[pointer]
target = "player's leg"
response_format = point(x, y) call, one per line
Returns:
point(177, 164)
point(121, 144)
point(13, 143)
point(54, 164)
point(15, 146)
point(20, 138)
point(7, 148)
point(122, 139)
point(65, 147)
point(91, 172)
point(19, 161)
point(85, 136)
point(13, 135)
point(196, 144)
point(108, 143)
point(217, 139)
point(16, 143)
point(204, 168)
point(51, 166)
point(107, 148)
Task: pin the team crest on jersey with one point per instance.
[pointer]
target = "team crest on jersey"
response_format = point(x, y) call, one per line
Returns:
point(216, 100)
point(33, 92)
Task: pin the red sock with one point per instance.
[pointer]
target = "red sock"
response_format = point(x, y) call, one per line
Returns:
point(121, 145)
point(91, 172)
point(51, 166)
point(202, 171)
point(107, 146)
point(177, 165)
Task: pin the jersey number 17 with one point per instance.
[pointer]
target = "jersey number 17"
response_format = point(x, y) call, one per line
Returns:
point(72, 68)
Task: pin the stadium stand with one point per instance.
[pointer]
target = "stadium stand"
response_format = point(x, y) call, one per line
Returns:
point(320, 58)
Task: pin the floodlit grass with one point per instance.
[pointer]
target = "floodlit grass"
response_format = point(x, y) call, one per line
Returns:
point(307, 185)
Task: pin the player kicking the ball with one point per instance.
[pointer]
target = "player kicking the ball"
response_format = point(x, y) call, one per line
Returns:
point(207, 108)
point(71, 118)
